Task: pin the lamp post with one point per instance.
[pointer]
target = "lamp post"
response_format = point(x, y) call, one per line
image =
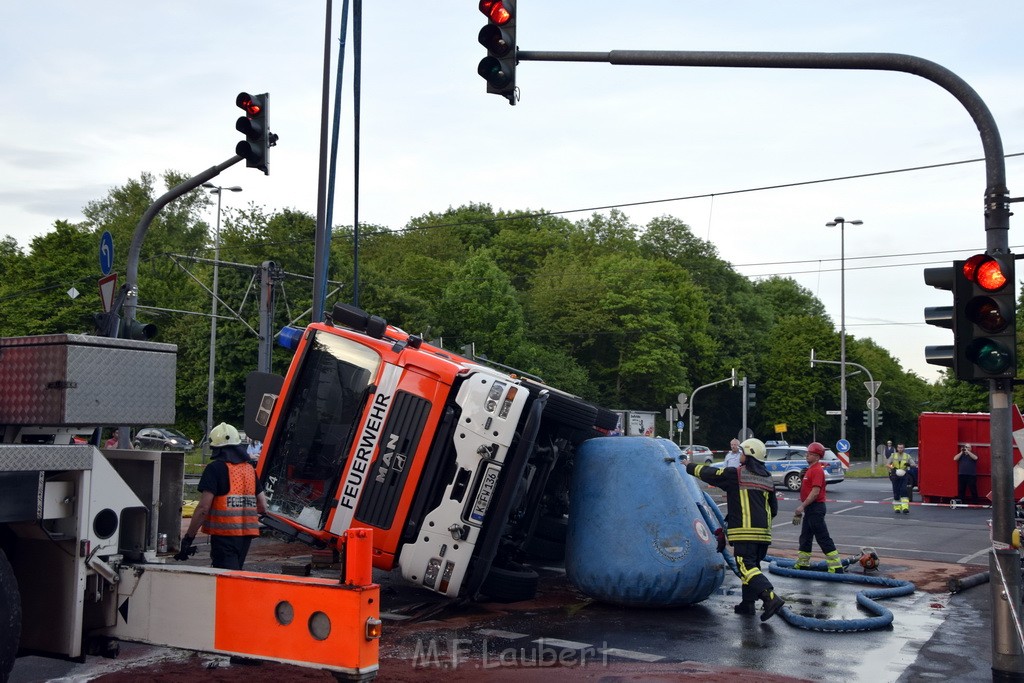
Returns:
point(219, 191)
point(841, 222)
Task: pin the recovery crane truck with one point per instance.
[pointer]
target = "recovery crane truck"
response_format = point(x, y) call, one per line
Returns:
point(79, 528)
point(452, 463)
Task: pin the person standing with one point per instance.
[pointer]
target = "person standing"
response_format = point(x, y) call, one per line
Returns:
point(230, 502)
point(732, 458)
point(899, 463)
point(750, 494)
point(967, 472)
point(812, 511)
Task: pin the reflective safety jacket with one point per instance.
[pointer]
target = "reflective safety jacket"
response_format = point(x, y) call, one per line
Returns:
point(750, 497)
point(234, 514)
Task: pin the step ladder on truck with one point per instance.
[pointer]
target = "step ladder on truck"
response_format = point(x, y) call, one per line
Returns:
point(79, 529)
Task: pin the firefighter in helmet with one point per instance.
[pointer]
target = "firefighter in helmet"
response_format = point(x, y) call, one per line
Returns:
point(230, 503)
point(899, 465)
point(811, 513)
point(750, 494)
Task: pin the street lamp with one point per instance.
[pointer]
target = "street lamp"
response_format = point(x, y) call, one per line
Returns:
point(219, 191)
point(841, 222)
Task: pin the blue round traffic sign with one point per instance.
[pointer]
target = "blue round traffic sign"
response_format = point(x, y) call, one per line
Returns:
point(843, 446)
point(106, 253)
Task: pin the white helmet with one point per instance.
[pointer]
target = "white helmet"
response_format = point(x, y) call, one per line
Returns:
point(900, 472)
point(754, 448)
point(224, 435)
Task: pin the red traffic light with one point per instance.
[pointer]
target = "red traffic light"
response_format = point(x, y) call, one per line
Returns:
point(245, 101)
point(985, 271)
point(496, 10)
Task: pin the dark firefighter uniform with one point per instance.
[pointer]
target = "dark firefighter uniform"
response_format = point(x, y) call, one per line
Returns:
point(750, 495)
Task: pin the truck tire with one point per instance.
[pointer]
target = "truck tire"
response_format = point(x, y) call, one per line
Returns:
point(512, 583)
point(10, 617)
point(566, 409)
point(606, 419)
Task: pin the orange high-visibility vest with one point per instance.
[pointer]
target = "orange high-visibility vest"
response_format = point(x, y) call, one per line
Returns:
point(235, 514)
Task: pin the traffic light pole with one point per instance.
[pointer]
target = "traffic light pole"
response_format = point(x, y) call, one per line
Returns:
point(871, 379)
point(1007, 649)
point(693, 398)
point(131, 283)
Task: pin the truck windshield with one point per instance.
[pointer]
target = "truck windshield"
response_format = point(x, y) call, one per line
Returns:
point(323, 405)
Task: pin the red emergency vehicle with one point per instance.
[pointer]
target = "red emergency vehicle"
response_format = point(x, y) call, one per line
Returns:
point(454, 464)
point(939, 439)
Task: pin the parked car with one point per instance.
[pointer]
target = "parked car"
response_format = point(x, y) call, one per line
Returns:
point(698, 454)
point(786, 464)
point(162, 439)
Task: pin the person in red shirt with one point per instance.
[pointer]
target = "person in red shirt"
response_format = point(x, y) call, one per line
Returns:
point(812, 510)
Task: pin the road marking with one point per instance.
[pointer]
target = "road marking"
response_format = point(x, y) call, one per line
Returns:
point(631, 654)
point(556, 642)
point(855, 507)
point(967, 558)
point(497, 633)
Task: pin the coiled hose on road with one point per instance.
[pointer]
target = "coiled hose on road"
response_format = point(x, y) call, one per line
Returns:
point(882, 617)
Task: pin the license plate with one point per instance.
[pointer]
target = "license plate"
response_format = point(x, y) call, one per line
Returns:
point(488, 482)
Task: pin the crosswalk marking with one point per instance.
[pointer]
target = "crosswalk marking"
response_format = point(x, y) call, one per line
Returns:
point(497, 633)
point(630, 654)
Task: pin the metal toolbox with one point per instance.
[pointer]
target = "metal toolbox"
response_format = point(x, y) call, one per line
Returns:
point(81, 380)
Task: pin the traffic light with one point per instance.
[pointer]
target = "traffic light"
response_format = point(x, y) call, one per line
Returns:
point(133, 329)
point(695, 420)
point(867, 418)
point(498, 68)
point(255, 125)
point(751, 395)
point(878, 418)
point(985, 327)
point(942, 316)
point(106, 324)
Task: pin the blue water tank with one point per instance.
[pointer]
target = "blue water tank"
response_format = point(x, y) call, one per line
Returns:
point(640, 529)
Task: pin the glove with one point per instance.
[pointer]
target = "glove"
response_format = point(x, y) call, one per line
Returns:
point(187, 549)
point(797, 517)
point(720, 538)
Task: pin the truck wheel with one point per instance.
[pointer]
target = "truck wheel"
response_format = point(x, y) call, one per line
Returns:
point(793, 480)
point(566, 409)
point(10, 617)
point(606, 419)
point(511, 584)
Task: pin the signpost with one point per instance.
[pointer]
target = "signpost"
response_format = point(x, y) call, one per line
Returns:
point(106, 253)
point(108, 285)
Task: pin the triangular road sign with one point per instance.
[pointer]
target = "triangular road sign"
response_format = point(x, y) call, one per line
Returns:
point(108, 285)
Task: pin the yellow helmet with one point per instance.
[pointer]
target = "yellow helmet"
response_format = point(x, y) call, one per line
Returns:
point(224, 435)
point(754, 448)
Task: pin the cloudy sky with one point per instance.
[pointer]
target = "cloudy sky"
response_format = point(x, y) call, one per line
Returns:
point(96, 92)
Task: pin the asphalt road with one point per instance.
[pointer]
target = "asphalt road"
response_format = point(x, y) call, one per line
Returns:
point(933, 635)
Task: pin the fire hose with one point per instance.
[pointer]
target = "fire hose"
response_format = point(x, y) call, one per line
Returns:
point(866, 599)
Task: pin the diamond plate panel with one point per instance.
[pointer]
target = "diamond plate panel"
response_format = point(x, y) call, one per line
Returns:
point(26, 458)
point(70, 380)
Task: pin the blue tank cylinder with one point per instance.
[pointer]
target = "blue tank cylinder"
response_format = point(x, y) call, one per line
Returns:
point(640, 531)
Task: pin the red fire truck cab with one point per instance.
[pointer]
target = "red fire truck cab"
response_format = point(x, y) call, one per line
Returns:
point(452, 463)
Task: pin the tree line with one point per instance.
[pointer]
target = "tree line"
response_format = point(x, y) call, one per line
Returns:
point(627, 316)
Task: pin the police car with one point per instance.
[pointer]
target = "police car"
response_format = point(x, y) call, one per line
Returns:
point(786, 464)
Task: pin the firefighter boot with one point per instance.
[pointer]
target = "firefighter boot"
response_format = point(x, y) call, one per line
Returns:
point(905, 506)
point(745, 607)
point(835, 564)
point(772, 604)
point(803, 561)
